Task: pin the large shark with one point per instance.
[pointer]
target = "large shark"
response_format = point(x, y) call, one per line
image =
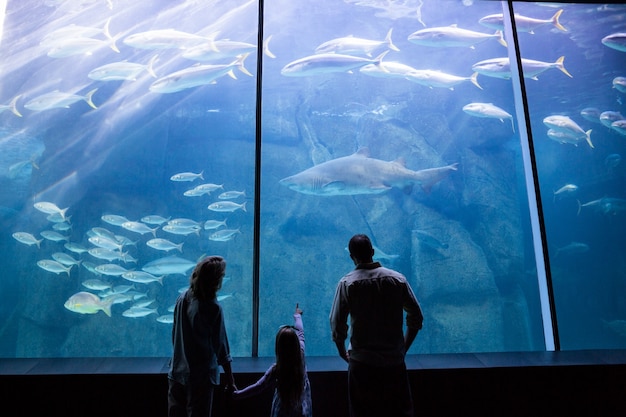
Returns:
point(359, 174)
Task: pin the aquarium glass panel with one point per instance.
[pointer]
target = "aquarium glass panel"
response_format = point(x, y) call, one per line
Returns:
point(123, 123)
point(380, 118)
point(575, 77)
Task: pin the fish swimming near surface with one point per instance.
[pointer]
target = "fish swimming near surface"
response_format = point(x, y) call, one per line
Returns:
point(570, 131)
point(167, 39)
point(522, 23)
point(198, 75)
point(359, 174)
point(488, 110)
point(76, 46)
point(615, 41)
point(501, 67)
point(124, 70)
point(328, 63)
point(218, 50)
point(87, 303)
point(58, 99)
point(351, 45)
point(434, 78)
point(452, 36)
point(74, 31)
point(387, 69)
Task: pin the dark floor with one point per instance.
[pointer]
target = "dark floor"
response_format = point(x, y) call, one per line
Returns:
point(582, 383)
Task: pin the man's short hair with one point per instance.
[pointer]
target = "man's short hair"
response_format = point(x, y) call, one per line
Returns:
point(360, 247)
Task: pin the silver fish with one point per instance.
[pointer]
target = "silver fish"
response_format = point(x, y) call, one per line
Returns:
point(54, 236)
point(488, 110)
point(166, 318)
point(219, 50)
point(50, 208)
point(591, 113)
point(111, 269)
point(228, 195)
point(135, 312)
point(351, 45)
point(433, 78)
point(96, 284)
point(142, 277)
point(359, 174)
point(154, 219)
point(327, 63)
point(166, 39)
point(387, 69)
point(164, 245)
point(572, 248)
point(619, 83)
point(198, 75)
point(76, 46)
point(224, 235)
point(452, 36)
point(126, 71)
point(57, 99)
point(501, 67)
point(65, 259)
point(87, 303)
point(187, 176)
point(27, 238)
point(566, 189)
point(169, 265)
point(608, 117)
point(615, 41)
point(226, 206)
point(54, 266)
point(181, 230)
point(619, 126)
point(571, 131)
point(214, 224)
point(139, 227)
point(522, 23)
point(114, 219)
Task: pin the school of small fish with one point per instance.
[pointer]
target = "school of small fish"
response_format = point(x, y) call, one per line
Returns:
point(111, 274)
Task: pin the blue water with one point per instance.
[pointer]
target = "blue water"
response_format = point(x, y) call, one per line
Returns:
point(476, 277)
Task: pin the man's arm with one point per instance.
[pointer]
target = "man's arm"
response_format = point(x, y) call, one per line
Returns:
point(409, 337)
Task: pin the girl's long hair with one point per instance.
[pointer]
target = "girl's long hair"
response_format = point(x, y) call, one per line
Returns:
point(289, 367)
point(206, 278)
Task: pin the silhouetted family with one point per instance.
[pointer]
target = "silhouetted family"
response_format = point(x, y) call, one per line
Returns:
point(374, 300)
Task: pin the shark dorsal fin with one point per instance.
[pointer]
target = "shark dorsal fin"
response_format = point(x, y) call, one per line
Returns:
point(364, 152)
point(400, 161)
